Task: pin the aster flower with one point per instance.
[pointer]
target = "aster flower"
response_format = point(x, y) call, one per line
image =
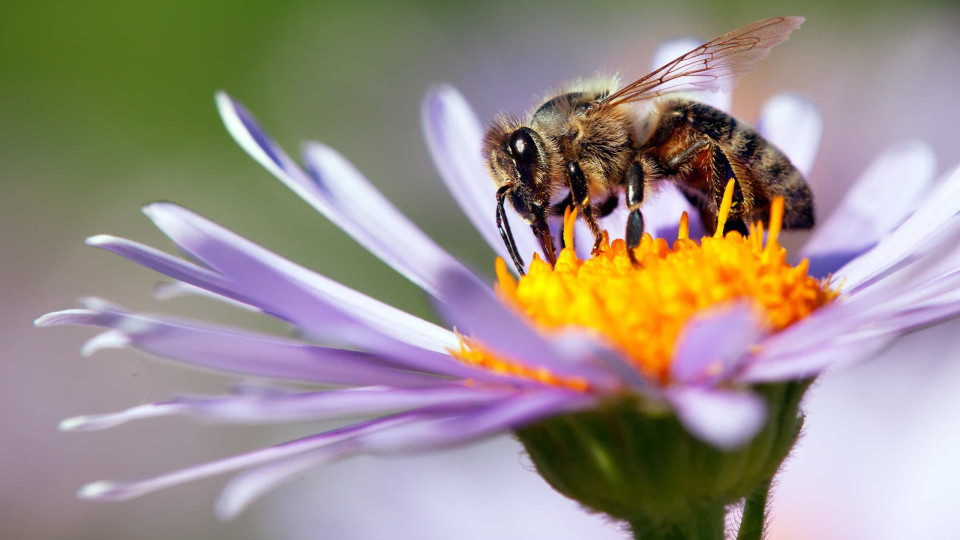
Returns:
point(698, 356)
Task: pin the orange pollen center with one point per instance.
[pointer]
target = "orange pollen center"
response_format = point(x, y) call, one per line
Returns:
point(642, 309)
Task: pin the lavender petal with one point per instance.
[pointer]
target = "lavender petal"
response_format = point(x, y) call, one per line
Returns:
point(662, 214)
point(481, 315)
point(370, 218)
point(812, 360)
point(282, 287)
point(877, 203)
point(121, 491)
point(938, 207)
point(274, 407)
point(105, 421)
point(714, 344)
point(726, 419)
point(453, 136)
point(242, 352)
point(792, 123)
point(422, 434)
point(334, 204)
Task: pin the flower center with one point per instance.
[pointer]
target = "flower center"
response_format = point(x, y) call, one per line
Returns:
point(642, 309)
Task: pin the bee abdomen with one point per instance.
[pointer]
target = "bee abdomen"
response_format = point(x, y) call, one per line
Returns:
point(782, 179)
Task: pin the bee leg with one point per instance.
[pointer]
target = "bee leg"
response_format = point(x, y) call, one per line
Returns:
point(722, 174)
point(581, 197)
point(672, 165)
point(557, 210)
point(635, 184)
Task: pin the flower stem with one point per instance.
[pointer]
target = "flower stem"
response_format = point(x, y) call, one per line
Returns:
point(754, 519)
point(706, 524)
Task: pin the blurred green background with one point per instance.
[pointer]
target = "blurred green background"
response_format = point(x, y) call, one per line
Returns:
point(107, 105)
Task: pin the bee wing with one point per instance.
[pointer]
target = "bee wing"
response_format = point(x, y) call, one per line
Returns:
point(715, 65)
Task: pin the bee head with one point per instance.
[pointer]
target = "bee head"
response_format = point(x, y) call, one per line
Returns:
point(518, 161)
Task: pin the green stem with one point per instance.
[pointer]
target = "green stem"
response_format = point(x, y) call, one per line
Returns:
point(706, 524)
point(755, 513)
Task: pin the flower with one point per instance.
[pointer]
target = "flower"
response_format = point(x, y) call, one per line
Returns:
point(720, 370)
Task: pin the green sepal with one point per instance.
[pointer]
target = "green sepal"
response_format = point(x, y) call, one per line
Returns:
point(637, 463)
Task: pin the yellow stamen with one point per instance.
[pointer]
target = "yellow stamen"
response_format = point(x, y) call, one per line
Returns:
point(724, 209)
point(642, 309)
point(507, 282)
point(569, 220)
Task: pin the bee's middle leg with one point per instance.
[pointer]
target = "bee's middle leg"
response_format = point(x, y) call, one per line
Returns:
point(580, 192)
point(643, 170)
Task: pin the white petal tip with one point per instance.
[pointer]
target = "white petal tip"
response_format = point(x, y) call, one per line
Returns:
point(77, 423)
point(111, 339)
point(725, 419)
point(100, 240)
point(227, 509)
point(316, 154)
point(50, 319)
point(98, 304)
point(108, 491)
point(167, 290)
point(58, 318)
point(224, 102)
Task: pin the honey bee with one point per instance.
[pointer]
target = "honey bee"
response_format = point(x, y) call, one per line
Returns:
point(587, 145)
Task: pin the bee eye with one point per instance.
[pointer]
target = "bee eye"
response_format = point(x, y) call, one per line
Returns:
point(522, 147)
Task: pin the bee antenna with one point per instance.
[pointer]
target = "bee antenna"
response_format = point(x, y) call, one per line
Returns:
point(504, 226)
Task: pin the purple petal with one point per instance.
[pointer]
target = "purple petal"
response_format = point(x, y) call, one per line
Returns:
point(330, 198)
point(714, 344)
point(167, 290)
point(661, 215)
point(311, 301)
point(242, 352)
point(246, 487)
point(812, 360)
point(922, 316)
point(334, 404)
point(479, 314)
point(164, 263)
point(579, 344)
point(792, 123)
point(280, 286)
point(878, 202)
point(274, 407)
point(674, 48)
point(453, 136)
point(104, 421)
point(937, 208)
point(726, 419)
point(425, 433)
point(121, 491)
point(370, 218)
point(507, 415)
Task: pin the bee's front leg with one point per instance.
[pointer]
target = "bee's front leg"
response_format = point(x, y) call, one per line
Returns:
point(581, 198)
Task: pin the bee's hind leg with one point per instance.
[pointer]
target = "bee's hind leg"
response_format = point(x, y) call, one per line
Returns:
point(722, 174)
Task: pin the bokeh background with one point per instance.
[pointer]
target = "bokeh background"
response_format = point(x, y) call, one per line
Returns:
point(107, 105)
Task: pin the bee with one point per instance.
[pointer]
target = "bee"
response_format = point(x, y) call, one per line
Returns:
point(587, 146)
